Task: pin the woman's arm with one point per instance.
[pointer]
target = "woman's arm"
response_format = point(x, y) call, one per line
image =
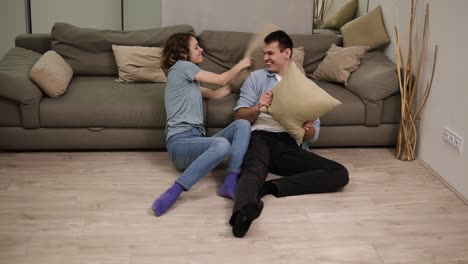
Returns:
point(225, 77)
point(219, 93)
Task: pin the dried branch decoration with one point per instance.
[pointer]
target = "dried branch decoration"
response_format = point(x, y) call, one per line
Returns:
point(320, 10)
point(409, 79)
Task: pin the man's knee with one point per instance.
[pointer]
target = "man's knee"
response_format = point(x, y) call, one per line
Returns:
point(342, 176)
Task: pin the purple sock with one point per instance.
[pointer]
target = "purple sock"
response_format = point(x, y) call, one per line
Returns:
point(228, 189)
point(165, 201)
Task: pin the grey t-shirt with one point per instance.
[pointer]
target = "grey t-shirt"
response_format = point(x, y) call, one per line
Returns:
point(183, 99)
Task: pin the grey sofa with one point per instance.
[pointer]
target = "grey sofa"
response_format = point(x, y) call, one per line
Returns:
point(98, 113)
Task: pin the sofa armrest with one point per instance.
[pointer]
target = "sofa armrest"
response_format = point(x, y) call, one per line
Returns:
point(39, 43)
point(375, 80)
point(16, 85)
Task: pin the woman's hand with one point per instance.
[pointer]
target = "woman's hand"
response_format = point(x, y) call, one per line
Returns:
point(246, 62)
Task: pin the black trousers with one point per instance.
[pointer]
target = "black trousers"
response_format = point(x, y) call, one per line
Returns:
point(303, 172)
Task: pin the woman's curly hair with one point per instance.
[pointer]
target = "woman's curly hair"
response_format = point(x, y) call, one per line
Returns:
point(176, 48)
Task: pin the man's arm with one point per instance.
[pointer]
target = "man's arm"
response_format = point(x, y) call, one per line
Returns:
point(251, 113)
point(309, 130)
point(248, 113)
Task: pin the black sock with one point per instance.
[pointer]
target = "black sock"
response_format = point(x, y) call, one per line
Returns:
point(268, 188)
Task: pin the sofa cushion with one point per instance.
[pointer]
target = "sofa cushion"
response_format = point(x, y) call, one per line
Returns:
point(375, 79)
point(89, 51)
point(139, 64)
point(101, 102)
point(339, 64)
point(350, 112)
point(341, 15)
point(367, 30)
point(220, 110)
point(225, 48)
point(315, 48)
point(52, 74)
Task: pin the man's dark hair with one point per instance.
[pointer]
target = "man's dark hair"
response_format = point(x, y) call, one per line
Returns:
point(284, 41)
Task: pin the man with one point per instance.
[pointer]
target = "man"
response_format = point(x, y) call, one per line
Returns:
point(272, 149)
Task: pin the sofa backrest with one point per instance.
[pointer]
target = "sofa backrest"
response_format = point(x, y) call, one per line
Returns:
point(89, 51)
point(223, 49)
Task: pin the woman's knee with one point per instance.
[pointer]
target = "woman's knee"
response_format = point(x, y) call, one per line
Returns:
point(221, 145)
point(243, 124)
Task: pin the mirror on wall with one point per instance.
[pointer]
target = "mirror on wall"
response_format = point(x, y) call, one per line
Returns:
point(331, 15)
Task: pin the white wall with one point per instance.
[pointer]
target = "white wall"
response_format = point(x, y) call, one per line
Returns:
point(12, 23)
point(447, 104)
point(239, 15)
point(142, 14)
point(102, 14)
point(362, 7)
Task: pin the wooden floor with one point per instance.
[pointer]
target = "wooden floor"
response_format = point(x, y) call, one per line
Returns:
point(95, 207)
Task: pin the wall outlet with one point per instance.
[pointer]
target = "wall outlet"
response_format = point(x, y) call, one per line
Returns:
point(453, 140)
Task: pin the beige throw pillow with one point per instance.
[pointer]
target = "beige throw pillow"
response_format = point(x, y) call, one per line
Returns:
point(296, 100)
point(51, 73)
point(342, 15)
point(367, 30)
point(339, 63)
point(139, 64)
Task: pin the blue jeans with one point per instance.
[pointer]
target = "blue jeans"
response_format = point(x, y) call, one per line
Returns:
point(198, 155)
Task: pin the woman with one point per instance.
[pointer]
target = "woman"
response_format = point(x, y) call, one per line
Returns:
point(186, 143)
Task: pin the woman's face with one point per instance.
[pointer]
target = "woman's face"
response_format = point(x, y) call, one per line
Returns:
point(196, 51)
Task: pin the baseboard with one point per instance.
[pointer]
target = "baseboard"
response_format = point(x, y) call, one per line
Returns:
point(443, 181)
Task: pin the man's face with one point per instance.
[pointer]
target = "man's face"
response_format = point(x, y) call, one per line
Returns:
point(196, 52)
point(275, 59)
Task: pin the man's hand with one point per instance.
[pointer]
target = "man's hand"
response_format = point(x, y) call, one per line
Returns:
point(265, 99)
point(309, 130)
point(251, 113)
